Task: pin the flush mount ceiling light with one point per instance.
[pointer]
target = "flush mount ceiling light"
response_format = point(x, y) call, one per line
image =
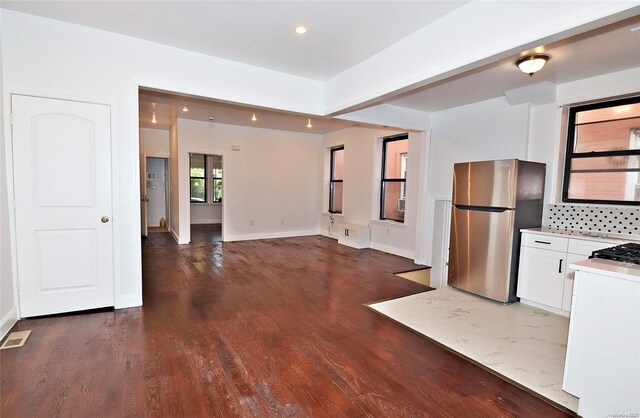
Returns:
point(301, 30)
point(531, 64)
point(253, 118)
point(185, 109)
point(153, 119)
point(309, 125)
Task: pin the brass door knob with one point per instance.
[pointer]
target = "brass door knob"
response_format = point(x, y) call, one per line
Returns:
point(104, 219)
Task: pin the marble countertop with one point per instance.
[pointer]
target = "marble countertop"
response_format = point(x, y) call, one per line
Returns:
point(585, 235)
point(615, 269)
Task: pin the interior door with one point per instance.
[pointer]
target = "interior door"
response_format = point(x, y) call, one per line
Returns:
point(62, 178)
point(144, 199)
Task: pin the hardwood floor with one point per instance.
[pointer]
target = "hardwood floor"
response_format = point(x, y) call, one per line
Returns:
point(256, 328)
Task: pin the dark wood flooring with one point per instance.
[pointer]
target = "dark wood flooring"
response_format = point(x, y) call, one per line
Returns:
point(263, 328)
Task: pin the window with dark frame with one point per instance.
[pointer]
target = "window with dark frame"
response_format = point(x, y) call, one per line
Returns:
point(336, 179)
point(394, 177)
point(602, 163)
point(198, 178)
point(216, 191)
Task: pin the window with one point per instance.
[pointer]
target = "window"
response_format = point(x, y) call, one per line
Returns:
point(216, 192)
point(603, 153)
point(197, 170)
point(336, 179)
point(394, 177)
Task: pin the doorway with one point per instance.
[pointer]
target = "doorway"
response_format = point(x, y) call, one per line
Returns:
point(205, 196)
point(157, 175)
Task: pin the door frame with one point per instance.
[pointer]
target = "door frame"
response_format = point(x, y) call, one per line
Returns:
point(167, 188)
point(7, 101)
point(185, 182)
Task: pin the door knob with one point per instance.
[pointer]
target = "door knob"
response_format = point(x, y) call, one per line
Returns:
point(104, 219)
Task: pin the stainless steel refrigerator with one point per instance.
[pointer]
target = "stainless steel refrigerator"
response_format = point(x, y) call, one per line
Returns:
point(492, 201)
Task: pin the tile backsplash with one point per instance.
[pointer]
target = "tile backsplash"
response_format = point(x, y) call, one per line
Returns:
point(602, 219)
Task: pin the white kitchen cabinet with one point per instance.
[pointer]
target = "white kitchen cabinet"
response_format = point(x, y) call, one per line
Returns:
point(543, 273)
point(602, 365)
point(545, 279)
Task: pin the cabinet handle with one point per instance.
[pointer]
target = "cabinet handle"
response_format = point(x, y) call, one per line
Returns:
point(560, 266)
point(542, 242)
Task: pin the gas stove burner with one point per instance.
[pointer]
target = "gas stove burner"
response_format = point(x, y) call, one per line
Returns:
point(629, 253)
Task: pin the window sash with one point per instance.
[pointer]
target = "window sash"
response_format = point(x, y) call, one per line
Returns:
point(384, 180)
point(333, 180)
point(571, 155)
point(204, 177)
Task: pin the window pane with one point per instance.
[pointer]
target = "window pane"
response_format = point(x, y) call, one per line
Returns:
point(336, 197)
point(217, 166)
point(609, 113)
point(392, 204)
point(614, 163)
point(197, 190)
point(604, 186)
point(338, 164)
point(607, 136)
point(393, 158)
point(197, 164)
point(217, 190)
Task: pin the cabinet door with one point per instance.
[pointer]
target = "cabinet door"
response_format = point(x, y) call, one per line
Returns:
point(541, 276)
point(569, 279)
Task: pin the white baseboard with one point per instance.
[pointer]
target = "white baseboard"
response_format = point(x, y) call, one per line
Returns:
point(205, 221)
point(392, 250)
point(8, 321)
point(334, 236)
point(545, 307)
point(175, 237)
point(268, 235)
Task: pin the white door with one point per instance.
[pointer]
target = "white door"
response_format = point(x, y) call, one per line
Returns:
point(144, 199)
point(62, 179)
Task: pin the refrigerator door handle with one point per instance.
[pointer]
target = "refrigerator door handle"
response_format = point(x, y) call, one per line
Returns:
point(482, 208)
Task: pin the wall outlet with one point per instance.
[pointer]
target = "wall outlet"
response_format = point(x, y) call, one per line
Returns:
point(281, 221)
point(251, 222)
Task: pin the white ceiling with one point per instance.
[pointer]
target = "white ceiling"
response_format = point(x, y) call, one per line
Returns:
point(168, 106)
point(340, 33)
point(605, 50)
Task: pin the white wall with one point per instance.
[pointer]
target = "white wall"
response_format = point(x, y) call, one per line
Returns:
point(361, 188)
point(274, 176)
point(8, 313)
point(174, 185)
point(206, 213)
point(154, 142)
point(52, 58)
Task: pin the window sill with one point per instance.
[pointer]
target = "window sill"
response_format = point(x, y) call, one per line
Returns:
point(339, 215)
point(206, 204)
point(393, 224)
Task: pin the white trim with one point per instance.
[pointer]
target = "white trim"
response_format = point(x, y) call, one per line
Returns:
point(8, 321)
point(207, 221)
point(392, 250)
point(392, 224)
point(270, 235)
point(545, 307)
point(174, 235)
point(129, 300)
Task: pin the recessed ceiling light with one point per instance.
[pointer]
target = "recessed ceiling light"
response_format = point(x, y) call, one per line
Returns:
point(211, 118)
point(301, 30)
point(253, 118)
point(185, 109)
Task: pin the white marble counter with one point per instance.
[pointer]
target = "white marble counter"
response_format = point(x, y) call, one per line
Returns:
point(609, 268)
point(614, 239)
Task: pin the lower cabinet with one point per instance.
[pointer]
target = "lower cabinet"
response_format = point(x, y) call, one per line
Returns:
point(544, 277)
point(543, 273)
